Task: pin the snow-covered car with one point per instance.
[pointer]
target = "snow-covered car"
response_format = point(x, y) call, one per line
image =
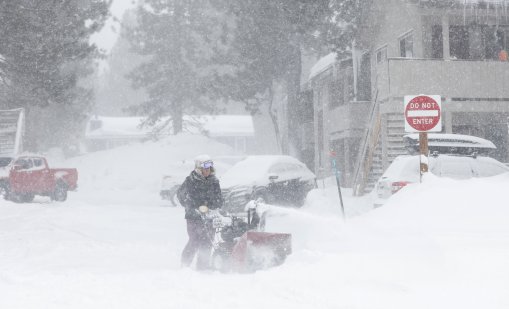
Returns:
point(275, 179)
point(31, 175)
point(405, 170)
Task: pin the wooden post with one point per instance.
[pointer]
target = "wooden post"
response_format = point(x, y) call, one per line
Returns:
point(423, 147)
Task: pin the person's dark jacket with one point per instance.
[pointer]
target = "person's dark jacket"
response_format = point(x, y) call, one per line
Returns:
point(197, 191)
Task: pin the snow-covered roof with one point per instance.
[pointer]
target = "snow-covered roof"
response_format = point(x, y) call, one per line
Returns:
point(488, 3)
point(477, 1)
point(322, 64)
point(453, 140)
point(483, 1)
point(129, 127)
point(110, 127)
point(228, 125)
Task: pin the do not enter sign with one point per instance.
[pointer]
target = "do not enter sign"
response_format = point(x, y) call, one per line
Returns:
point(422, 113)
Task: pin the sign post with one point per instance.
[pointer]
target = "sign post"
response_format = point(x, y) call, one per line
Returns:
point(423, 115)
point(335, 170)
point(423, 150)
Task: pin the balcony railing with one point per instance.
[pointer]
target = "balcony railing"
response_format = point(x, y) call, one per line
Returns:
point(467, 79)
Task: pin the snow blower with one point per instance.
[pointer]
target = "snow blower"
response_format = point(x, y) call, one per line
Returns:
point(241, 245)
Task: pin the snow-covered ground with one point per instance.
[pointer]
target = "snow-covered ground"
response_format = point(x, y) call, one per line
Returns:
point(115, 244)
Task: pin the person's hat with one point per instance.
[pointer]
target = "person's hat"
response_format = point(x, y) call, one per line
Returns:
point(203, 161)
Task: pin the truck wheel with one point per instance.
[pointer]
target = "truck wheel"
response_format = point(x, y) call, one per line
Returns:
point(4, 190)
point(26, 198)
point(60, 193)
point(8, 195)
point(13, 197)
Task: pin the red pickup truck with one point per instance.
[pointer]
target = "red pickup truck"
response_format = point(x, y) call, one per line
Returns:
point(26, 176)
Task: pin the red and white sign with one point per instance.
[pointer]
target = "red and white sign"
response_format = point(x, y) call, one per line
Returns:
point(423, 113)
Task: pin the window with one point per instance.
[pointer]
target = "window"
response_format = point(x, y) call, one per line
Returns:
point(24, 163)
point(406, 45)
point(336, 93)
point(437, 42)
point(381, 55)
point(476, 42)
point(5, 161)
point(37, 162)
point(497, 40)
point(459, 42)
point(364, 80)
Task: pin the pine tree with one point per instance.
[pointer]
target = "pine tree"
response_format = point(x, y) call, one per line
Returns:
point(47, 51)
point(346, 18)
point(268, 39)
point(178, 36)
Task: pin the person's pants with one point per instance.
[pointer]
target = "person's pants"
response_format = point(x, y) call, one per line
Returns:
point(199, 243)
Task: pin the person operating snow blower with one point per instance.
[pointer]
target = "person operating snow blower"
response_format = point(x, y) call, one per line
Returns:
point(200, 191)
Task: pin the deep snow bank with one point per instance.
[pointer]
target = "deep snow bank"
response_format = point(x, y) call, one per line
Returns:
point(135, 171)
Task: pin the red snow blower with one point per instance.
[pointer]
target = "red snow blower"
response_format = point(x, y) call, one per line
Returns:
point(241, 245)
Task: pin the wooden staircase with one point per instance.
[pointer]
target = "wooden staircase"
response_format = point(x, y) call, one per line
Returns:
point(12, 127)
point(370, 162)
point(367, 151)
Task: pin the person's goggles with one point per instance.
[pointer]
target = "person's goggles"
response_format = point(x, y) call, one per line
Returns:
point(207, 164)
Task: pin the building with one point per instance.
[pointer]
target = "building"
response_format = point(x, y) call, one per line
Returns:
point(108, 132)
point(12, 130)
point(339, 119)
point(449, 48)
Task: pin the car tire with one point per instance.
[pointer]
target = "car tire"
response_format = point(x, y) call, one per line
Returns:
point(60, 193)
point(4, 190)
point(26, 197)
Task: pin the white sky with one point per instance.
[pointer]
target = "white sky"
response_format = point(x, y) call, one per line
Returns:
point(107, 37)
